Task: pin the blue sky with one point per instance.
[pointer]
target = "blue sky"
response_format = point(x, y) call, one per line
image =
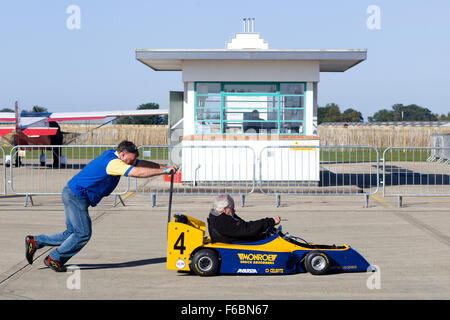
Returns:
point(42, 62)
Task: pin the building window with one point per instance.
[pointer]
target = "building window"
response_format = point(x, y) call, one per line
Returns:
point(250, 108)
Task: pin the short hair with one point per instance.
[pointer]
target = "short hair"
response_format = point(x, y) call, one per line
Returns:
point(222, 201)
point(128, 147)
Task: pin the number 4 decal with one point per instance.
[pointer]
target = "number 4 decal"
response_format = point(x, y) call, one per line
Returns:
point(179, 244)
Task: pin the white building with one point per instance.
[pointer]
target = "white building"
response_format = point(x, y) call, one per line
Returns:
point(248, 95)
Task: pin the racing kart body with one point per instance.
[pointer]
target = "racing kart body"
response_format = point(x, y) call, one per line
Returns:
point(188, 249)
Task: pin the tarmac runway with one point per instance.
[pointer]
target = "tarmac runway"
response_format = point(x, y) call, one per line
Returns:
point(125, 258)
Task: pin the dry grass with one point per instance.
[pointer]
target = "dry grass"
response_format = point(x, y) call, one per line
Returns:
point(379, 137)
point(113, 134)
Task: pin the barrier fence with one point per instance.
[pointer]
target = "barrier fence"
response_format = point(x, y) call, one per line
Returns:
point(204, 170)
point(238, 170)
point(416, 172)
point(32, 167)
point(3, 172)
point(318, 170)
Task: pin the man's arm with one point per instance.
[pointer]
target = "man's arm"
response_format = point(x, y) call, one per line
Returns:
point(148, 164)
point(147, 169)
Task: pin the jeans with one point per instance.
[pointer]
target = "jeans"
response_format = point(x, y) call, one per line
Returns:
point(78, 229)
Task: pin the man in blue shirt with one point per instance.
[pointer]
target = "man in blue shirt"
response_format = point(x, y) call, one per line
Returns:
point(95, 181)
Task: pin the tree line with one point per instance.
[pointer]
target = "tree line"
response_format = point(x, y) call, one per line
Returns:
point(330, 113)
point(398, 112)
point(123, 120)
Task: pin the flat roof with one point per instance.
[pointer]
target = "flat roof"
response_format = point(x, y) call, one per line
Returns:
point(331, 60)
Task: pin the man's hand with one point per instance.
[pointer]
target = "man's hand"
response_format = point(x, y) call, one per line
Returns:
point(277, 219)
point(172, 169)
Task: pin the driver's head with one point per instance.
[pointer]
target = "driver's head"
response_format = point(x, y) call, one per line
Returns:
point(224, 204)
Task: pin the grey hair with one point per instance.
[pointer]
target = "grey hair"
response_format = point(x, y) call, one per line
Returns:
point(223, 201)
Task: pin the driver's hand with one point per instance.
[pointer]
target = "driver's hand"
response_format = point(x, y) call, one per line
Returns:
point(277, 219)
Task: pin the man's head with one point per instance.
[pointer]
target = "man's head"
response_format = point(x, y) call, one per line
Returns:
point(127, 152)
point(255, 114)
point(224, 204)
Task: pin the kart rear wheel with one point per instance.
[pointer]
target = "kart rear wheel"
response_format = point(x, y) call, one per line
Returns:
point(317, 263)
point(205, 262)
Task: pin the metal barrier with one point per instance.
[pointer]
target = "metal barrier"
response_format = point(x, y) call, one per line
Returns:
point(3, 172)
point(415, 172)
point(45, 170)
point(318, 170)
point(213, 170)
point(204, 170)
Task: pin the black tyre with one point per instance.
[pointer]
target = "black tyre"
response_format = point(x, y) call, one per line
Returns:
point(317, 263)
point(205, 262)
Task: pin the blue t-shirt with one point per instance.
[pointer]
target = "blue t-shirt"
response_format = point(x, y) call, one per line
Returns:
point(95, 181)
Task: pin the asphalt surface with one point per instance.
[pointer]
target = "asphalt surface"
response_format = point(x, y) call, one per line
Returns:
point(125, 258)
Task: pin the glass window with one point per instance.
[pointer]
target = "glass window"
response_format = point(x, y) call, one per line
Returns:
point(249, 108)
point(258, 127)
point(292, 128)
point(204, 127)
point(291, 115)
point(208, 101)
point(292, 88)
point(250, 88)
point(208, 88)
point(250, 102)
point(233, 127)
point(292, 102)
point(208, 114)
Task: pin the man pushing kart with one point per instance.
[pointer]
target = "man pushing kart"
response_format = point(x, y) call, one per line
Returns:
point(95, 181)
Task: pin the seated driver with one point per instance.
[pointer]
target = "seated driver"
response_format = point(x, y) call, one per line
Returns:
point(225, 226)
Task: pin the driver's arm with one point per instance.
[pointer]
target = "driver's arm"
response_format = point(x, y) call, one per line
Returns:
point(243, 229)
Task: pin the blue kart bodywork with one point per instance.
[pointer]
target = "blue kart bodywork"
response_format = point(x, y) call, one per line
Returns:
point(247, 258)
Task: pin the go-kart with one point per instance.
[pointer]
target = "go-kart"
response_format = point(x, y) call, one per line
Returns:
point(188, 249)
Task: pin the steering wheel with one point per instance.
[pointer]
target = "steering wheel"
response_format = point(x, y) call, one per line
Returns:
point(270, 231)
point(278, 229)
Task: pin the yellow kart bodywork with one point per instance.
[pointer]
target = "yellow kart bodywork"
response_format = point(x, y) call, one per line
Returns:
point(182, 239)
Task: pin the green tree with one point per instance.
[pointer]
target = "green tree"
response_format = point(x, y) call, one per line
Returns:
point(382, 116)
point(331, 113)
point(6, 110)
point(416, 113)
point(144, 119)
point(39, 109)
point(444, 117)
point(401, 112)
point(351, 115)
point(35, 109)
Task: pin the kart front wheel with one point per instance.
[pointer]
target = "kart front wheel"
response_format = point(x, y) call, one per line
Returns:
point(205, 262)
point(317, 263)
